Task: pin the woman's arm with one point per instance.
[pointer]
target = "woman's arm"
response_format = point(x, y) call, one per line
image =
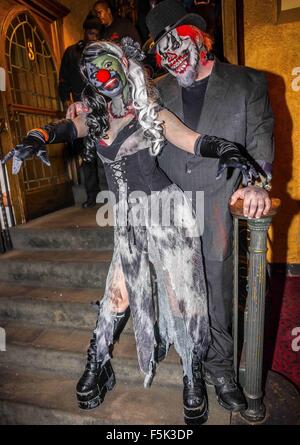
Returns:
point(177, 133)
point(34, 143)
point(80, 124)
point(77, 113)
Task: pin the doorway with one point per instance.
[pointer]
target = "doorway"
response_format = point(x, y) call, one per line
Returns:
point(32, 102)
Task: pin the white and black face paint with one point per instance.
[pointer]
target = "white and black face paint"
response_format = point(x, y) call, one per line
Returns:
point(180, 56)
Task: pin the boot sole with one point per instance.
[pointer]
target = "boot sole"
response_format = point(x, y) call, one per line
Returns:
point(229, 408)
point(196, 416)
point(92, 399)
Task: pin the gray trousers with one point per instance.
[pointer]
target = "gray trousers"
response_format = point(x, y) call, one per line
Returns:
point(219, 278)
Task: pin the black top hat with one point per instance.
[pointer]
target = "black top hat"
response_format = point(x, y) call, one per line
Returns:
point(169, 14)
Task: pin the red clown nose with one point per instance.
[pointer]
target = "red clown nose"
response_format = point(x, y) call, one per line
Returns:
point(103, 76)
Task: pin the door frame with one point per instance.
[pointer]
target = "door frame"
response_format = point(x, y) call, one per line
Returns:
point(233, 31)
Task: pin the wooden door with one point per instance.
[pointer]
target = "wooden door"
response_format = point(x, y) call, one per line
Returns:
point(32, 101)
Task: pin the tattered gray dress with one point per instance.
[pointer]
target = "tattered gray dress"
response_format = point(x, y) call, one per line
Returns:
point(159, 253)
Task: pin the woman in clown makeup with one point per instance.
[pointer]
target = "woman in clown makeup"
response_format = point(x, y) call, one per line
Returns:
point(156, 269)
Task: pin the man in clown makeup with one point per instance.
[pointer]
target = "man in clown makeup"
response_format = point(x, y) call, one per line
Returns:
point(230, 102)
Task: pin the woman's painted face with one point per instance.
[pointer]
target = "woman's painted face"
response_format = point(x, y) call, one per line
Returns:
point(180, 56)
point(107, 74)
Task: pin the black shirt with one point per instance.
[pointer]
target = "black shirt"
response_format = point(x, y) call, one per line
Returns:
point(192, 100)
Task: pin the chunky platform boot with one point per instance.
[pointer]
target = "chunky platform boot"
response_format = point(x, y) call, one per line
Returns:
point(195, 402)
point(97, 379)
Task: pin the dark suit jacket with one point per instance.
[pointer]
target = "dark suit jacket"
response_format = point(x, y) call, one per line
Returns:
point(236, 107)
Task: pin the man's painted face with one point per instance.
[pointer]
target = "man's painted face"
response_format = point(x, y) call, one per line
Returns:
point(180, 56)
point(107, 74)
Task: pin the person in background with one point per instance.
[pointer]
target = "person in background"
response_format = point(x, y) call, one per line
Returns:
point(70, 88)
point(114, 26)
point(70, 81)
point(143, 7)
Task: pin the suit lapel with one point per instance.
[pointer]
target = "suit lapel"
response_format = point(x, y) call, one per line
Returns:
point(216, 90)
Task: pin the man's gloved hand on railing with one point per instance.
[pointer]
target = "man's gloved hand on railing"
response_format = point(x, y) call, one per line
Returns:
point(229, 155)
point(34, 143)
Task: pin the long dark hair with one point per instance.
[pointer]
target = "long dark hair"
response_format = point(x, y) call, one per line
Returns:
point(97, 119)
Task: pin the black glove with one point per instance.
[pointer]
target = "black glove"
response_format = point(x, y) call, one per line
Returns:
point(229, 156)
point(34, 143)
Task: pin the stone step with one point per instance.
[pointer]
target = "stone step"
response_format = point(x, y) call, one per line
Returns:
point(30, 397)
point(56, 268)
point(64, 351)
point(57, 307)
point(67, 229)
point(96, 239)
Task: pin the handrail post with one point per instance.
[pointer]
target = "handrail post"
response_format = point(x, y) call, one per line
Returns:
point(254, 335)
point(255, 321)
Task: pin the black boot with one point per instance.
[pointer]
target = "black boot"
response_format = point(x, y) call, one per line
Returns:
point(97, 379)
point(229, 395)
point(194, 396)
point(120, 323)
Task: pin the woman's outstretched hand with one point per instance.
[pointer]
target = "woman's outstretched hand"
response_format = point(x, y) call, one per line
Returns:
point(32, 144)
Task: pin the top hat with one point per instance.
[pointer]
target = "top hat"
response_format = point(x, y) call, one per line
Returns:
point(169, 14)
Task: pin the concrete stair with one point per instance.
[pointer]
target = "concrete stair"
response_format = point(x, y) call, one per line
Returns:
point(57, 307)
point(56, 268)
point(40, 369)
point(47, 398)
point(69, 229)
point(48, 285)
point(63, 350)
point(63, 239)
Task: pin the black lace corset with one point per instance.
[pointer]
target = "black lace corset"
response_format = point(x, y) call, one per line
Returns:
point(138, 171)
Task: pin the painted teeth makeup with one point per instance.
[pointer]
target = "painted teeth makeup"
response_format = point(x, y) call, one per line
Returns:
point(179, 54)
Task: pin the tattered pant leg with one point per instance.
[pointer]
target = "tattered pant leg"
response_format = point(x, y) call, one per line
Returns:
point(115, 301)
point(171, 325)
